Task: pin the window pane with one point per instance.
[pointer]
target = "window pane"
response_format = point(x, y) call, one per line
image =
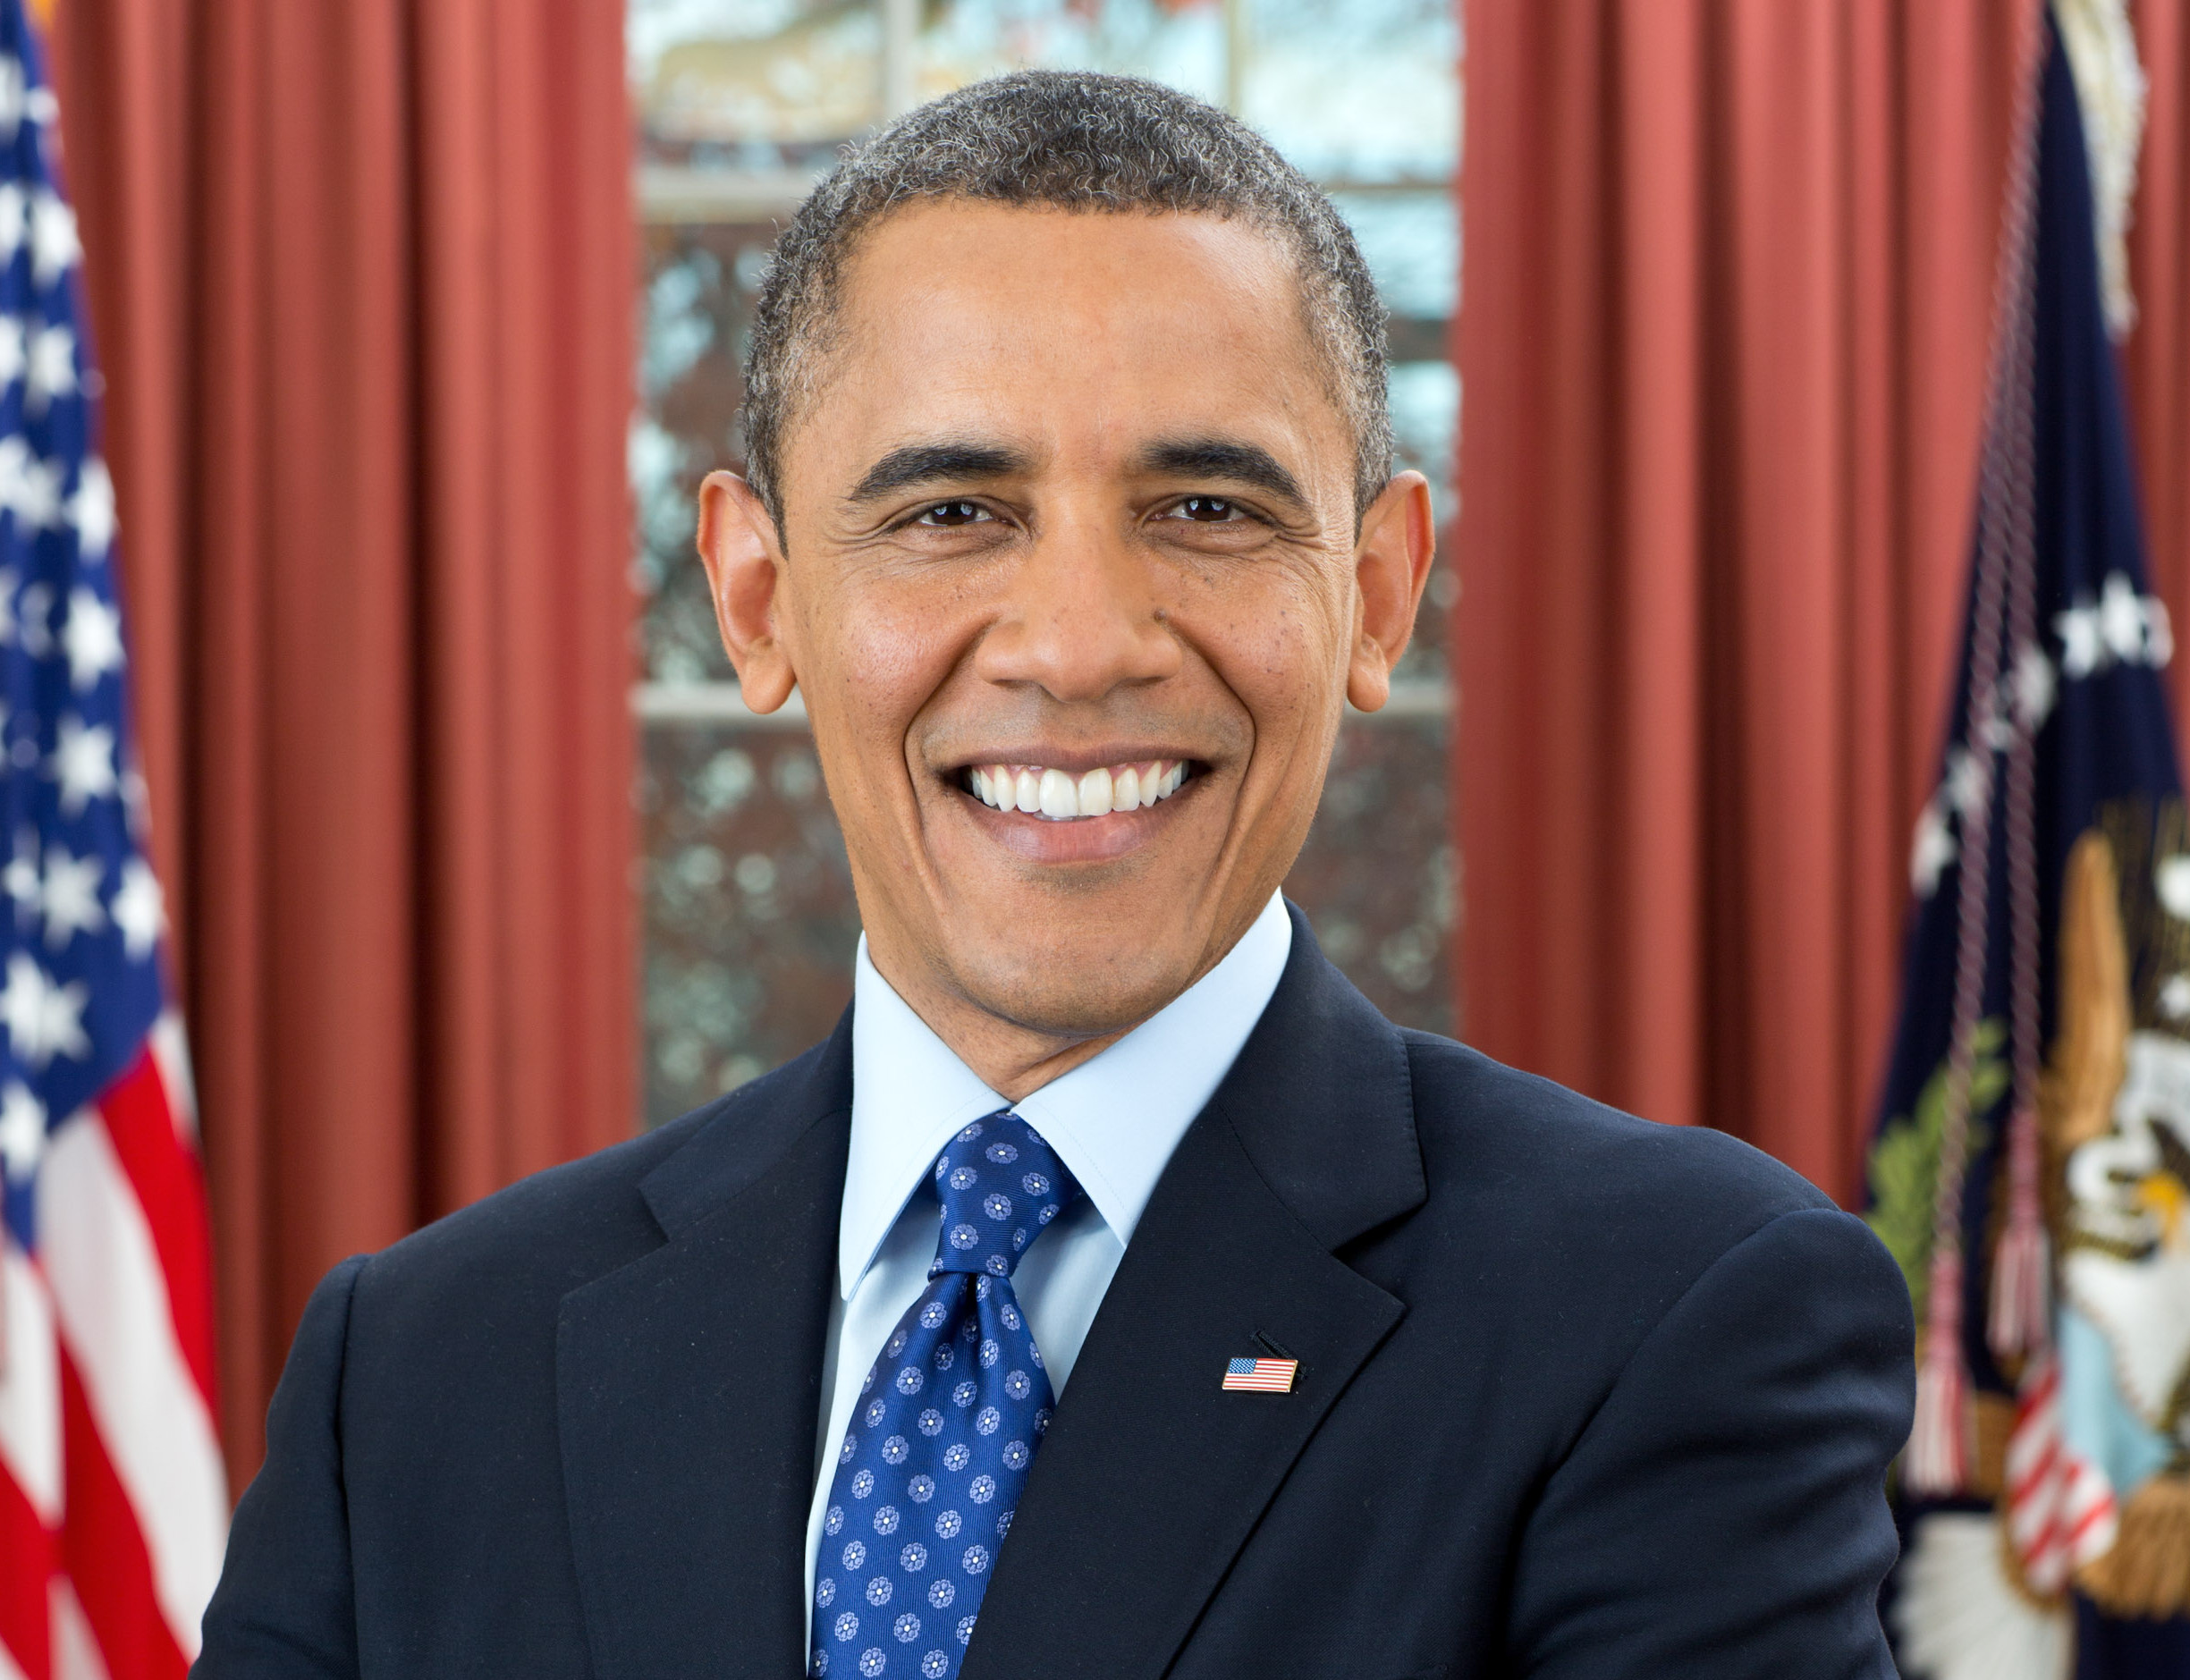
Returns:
point(753, 84)
point(1181, 45)
point(750, 925)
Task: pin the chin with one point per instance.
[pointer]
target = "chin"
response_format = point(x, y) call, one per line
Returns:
point(1065, 991)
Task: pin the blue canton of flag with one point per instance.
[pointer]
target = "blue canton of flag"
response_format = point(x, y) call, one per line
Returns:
point(79, 984)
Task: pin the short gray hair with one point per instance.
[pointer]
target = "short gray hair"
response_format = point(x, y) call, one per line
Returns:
point(1069, 140)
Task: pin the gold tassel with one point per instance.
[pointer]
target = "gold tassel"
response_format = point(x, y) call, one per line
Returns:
point(2146, 1572)
point(1993, 1417)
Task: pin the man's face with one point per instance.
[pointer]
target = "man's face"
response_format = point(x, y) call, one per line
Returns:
point(1070, 579)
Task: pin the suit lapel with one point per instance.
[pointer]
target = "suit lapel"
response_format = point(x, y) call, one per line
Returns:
point(688, 1384)
point(1151, 1475)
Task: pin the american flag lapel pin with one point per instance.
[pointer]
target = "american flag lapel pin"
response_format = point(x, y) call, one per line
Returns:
point(1262, 1376)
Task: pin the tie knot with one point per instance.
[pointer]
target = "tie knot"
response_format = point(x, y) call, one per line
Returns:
point(998, 1183)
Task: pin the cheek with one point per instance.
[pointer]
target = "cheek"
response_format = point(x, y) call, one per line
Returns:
point(1280, 648)
point(882, 652)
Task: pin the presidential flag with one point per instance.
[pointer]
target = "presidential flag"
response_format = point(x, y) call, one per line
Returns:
point(2031, 1168)
point(113, 1507)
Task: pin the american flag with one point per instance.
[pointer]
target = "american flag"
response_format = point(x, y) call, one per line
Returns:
point(1265, 1376)
point(113, 1504)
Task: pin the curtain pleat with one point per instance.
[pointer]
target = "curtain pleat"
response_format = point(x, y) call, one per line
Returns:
point(1729, 277)
point(363, 277)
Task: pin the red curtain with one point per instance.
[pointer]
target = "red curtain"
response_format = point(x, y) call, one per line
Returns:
point(1729, 277)
point(2158, 349)
point(363, 281)
point(1729, 291)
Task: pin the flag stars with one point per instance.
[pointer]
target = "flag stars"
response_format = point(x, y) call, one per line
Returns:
point(2121, 627)
point(2036, 688)
point(51, 370)
point(14, 351)
point(70, 896)
point(1933, 850)
point(20, 102)
point(92, 639)
point(2083, 647)
point(83, 762)
point(91, 510)
point(22, 1132)
point(1969, 780)
point(2121, 620)
point(29, 485)
point(14, 97)
point(54, 244)
point(139, 910)
point(43, 1019)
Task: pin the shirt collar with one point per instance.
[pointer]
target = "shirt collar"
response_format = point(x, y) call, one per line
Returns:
point(1113, 1120)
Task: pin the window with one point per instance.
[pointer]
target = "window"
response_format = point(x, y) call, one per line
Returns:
point(750, 925)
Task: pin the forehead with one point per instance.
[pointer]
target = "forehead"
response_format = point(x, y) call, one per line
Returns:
point(1068, 329)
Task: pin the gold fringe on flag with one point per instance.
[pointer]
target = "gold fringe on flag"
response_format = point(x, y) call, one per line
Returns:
point(2147, 1571)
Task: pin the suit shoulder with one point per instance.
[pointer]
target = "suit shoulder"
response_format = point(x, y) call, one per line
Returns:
point(1584, 1162)
point(1578, 1227)
point(574, 1219)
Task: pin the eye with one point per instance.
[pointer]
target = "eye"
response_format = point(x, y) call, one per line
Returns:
point(1208, 510)
point(949, 514)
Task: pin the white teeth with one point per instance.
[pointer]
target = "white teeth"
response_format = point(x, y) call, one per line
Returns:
point(1060, 797)
point(1094, 793)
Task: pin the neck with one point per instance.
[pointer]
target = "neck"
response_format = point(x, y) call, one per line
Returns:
point(1009, 1057)
point(1012, 1057)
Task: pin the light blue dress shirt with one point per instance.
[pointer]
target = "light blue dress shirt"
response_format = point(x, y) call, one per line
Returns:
point(1114, 1120)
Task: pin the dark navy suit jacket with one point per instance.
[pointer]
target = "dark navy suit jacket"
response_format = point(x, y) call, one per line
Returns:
point(1578, 1396)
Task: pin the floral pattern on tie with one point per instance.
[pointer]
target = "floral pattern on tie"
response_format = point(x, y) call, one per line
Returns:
point(949, 1420)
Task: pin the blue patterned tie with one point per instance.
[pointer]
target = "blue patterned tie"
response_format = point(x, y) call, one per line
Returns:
point(948, 1423)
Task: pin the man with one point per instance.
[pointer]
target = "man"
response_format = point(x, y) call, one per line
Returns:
point(1115, 1293)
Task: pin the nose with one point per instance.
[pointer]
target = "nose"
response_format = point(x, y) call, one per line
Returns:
point(1082, 619)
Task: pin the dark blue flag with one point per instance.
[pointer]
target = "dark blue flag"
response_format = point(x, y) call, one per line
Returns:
point(2030, 1169)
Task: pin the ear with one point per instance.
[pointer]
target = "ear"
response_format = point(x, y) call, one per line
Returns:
point(1391, 563)
point(738, 546)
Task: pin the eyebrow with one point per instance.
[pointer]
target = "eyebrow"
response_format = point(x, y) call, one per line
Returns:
point(1222, 457)
point(930, 463)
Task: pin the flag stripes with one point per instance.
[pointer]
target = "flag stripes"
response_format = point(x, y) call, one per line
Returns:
point(109, 1462)
point(105, 1555)
point(112, 1302)
point(161, 1164)
point(28, 1543)
point(1261, 1376)
point(112, 1504)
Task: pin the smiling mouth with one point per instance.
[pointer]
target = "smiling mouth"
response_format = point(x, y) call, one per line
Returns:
point(1058, 795)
